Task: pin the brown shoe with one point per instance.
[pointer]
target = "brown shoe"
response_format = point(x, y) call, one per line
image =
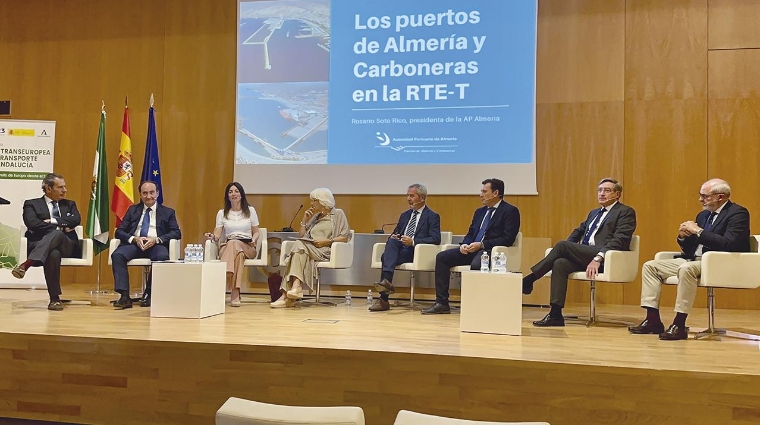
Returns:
point(380, 305)
point(384, 286)
point(19, 271)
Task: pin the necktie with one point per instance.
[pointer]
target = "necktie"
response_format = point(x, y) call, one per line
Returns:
point(412, 226)
point(484, 226)
point(592, 227)
point(145, 223)
point(710, 219)
point(56, 211)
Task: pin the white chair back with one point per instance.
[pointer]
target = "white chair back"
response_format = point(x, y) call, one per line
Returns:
point(406, 417)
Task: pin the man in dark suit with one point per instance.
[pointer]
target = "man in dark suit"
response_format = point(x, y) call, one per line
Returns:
point(50, 222)
point(417, 225)
point(609, 227)
point(144, 233)
point(495, 224)
point(720, 226)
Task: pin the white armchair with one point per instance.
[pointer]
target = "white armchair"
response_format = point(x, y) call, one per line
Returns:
point(513, 253)
point(406, 417)
point(424, 260)
point(237, 411)
point(145, 263)
point(734, 270)
point(619, 267)
point(341, 257)
point(85, 244)
point(211, 251)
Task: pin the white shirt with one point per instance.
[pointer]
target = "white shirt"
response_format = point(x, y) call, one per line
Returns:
point(237, 223)
point(49, 203)
point(599, 224)
point(416, 223)
point(152, 233)
point(700, 247)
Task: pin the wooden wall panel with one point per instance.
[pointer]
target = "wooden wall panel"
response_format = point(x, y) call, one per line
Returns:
point(665, 120)
point(733, 135)
point(734, 24)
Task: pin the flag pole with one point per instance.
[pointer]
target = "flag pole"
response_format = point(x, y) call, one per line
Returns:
point(99, 173)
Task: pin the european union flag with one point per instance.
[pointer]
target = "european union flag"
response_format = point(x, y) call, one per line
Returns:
point(151, 168)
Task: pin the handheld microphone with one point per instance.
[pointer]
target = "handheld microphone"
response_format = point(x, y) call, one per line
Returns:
point(290, 226)
point(381, 230)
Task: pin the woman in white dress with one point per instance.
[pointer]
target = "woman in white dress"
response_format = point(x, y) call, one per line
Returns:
point(322, 224)
point(236, 231)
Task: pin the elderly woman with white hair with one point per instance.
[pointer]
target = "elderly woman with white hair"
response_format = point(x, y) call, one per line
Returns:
point(322, 224)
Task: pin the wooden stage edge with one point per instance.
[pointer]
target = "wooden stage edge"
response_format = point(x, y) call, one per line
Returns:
point(92, 365)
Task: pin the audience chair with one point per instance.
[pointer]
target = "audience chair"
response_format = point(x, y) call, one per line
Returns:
point(174, 247)
point(341, 257)
point(85, 244)
point(619, 267)
point(732, 270)
point(424, 260)
point(406, 417)
point(237, 411)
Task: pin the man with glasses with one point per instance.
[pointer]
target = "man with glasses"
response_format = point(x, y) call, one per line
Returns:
point(609, 227)
point(721, 226)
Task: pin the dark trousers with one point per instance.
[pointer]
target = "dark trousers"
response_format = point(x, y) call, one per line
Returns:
point(565, 258)
point(125, 253)
point(395, 253)
point(444, 261)
point(49, 250)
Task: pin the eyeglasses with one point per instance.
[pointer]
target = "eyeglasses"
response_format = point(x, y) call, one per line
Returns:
point(707, 195)
point(605, 190)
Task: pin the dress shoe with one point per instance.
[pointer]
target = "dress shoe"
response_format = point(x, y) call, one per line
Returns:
point(380, 305)
point(19, 271)
point(647, 327)
point(675, 333)
point(145, 300)
point(295, 294)
point(235, 302)
point(55, 306)
point(437, 309)
point(122, 303)
point(385, 286)
point(548, 320)
point(283, 303)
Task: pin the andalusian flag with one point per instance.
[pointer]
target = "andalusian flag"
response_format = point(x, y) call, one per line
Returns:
point(97, 216)
point(123, 188)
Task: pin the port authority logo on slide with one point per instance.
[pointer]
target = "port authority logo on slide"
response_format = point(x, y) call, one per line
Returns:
point(2, 131)
point(428, 144)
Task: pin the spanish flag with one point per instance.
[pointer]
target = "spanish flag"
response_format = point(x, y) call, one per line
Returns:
point(123, 188)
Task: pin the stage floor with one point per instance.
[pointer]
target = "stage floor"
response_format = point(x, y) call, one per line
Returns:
point(399, 330)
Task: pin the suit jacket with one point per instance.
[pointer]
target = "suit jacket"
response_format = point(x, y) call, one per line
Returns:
point(428, 226)
point(615, 232)
point(729, 232)
point(35, 211)
point(166, 224)
point(502, 229)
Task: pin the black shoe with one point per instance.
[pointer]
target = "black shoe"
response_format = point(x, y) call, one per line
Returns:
point(437, 309)
point(123, 303)
point(548, 320)
point(527, 285)
point(145, 300)
point(384, 286)
point(55, 306)
point(675, 333)
point(647, 327)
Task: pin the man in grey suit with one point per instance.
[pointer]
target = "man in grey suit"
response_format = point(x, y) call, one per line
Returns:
point(607, 228)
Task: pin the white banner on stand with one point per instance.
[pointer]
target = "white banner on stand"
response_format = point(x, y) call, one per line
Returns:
point(26, 155)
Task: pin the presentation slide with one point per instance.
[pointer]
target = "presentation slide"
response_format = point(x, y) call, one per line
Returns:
point(368, 97)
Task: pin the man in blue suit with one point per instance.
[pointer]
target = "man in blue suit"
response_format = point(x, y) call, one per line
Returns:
point(419, 224)
point(144, 233)
point(495, 224)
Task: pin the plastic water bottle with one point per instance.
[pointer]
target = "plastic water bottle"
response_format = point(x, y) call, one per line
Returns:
point(484, 262)
point(187, 254)
point(196, 253)
point(193, 253)
point(201, 257)
point(370, 298)
point(503, 261)
point(496, 263)
point(348, 298)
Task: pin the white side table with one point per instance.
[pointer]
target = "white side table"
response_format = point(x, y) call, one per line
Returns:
point(491, 303)
point(192, 290)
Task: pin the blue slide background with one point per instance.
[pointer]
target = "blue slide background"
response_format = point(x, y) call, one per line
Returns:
point(503, 87)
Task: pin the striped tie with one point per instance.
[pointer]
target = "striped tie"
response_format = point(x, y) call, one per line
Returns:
point(412, 225)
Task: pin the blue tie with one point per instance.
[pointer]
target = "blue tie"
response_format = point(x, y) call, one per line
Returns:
point(56, 211)
point(484, 226)
point(591, 228)
point(145, 223)
point(710, 219)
